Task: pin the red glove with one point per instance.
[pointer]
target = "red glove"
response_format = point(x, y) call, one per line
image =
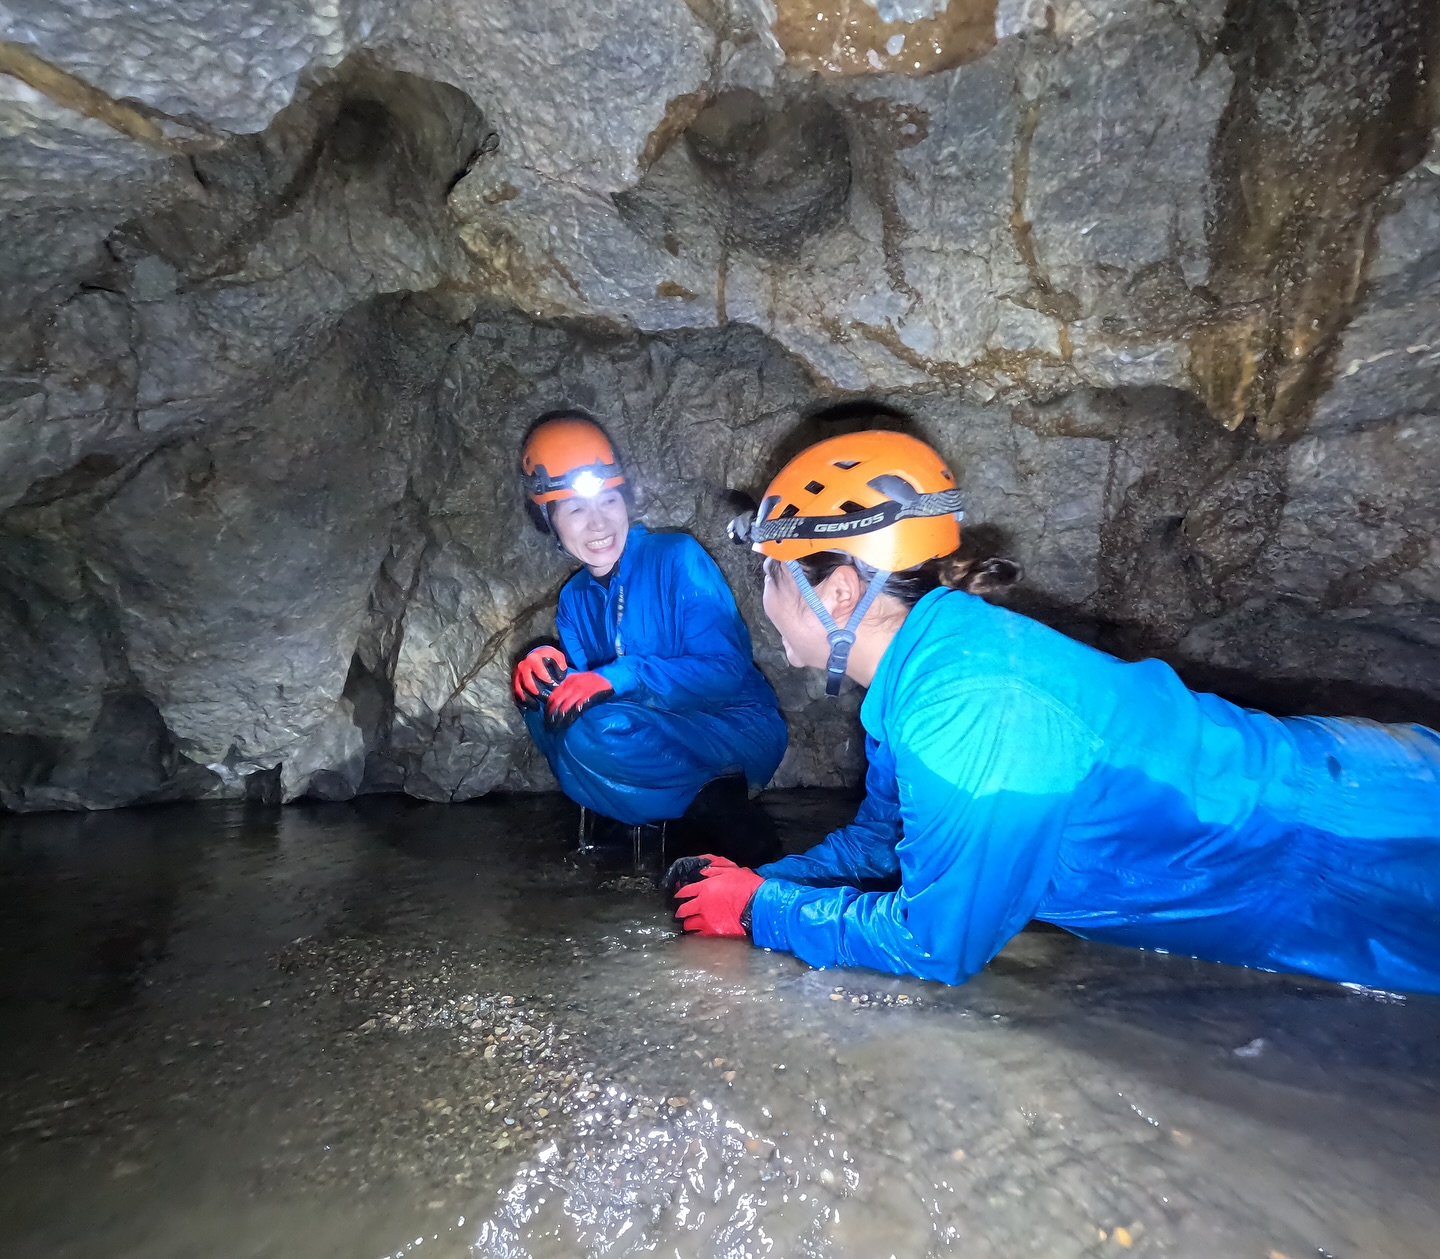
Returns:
point(536, 675)
point(718, 904)
point(570, 698)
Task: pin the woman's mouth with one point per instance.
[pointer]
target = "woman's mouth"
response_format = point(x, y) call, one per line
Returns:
point(601, 544)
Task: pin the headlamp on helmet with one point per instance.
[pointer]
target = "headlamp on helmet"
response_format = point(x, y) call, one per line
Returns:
point(587, 483)
point(568, 457)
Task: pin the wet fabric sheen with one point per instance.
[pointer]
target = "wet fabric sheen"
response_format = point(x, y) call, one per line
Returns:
point(1018, 774)
point(690, 704)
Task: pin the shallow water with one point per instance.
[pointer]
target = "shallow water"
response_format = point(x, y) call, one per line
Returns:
point(389, 1028)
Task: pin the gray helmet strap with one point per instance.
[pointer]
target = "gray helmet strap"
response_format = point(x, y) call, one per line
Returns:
point(841, 640)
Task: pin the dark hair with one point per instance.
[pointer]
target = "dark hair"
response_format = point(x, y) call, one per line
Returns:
point(910, 585)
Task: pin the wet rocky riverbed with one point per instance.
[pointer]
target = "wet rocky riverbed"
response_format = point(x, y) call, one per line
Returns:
point(392, 1028)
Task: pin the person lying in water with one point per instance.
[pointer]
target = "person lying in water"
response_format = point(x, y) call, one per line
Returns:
point(653, 693)
point(1016, 774)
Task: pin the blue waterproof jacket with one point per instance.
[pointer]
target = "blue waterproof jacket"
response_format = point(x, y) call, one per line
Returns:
point(689, 703)
point(1017, 774)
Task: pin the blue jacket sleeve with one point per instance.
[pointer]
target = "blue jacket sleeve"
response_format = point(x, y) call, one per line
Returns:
point(985, 775)
point(714, 658)
point(862, 852)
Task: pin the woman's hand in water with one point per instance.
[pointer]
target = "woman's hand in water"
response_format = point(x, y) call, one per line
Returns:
point(572, 697)
point(718, 902)
point(536, 675)
point(686, 870)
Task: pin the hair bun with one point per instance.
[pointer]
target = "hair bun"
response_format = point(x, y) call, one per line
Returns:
point(978, 577)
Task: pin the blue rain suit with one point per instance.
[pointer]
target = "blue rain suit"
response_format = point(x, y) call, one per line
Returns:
point(1017, 774)
point(689, 702)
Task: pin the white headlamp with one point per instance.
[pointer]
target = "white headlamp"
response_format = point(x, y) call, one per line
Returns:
point(587, 484)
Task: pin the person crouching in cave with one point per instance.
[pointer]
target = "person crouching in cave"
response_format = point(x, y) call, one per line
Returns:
point(651, 708)
point(1015, 774)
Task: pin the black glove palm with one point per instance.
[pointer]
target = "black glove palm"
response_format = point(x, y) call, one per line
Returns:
point(685, 871)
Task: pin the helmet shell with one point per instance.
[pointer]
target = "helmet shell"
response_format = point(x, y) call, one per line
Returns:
point(847, 474)
point(558, 451)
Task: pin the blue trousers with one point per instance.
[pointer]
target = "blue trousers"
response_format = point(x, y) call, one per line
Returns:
point(640, 764)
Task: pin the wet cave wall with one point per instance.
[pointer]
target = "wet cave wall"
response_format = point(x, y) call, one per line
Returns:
point(282, 284)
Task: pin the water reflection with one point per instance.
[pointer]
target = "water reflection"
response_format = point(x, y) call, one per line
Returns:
point(695, 1182)
point(389, 1028)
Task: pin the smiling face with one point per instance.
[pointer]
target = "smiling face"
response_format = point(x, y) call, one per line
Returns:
point(593, 529)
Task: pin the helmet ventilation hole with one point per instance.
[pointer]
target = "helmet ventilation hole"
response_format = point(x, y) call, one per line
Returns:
point(814, 487)
point(846, 464)
point(850, 505)
point(896, 486)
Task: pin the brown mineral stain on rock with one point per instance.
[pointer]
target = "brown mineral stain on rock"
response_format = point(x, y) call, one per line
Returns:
point(130, 118)
point(1300, 168)
point(999, 368)
point(892, 127)
point(680, 112)
point(847, 37)
point(1225, 357)
point(502, 268)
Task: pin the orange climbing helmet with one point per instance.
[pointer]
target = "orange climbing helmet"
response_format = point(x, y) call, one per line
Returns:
point(885, 499)
point(568, 456)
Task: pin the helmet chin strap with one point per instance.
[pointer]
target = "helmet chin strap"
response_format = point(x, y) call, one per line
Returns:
point(841, 640)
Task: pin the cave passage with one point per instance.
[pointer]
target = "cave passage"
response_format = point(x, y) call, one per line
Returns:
point(296, 958)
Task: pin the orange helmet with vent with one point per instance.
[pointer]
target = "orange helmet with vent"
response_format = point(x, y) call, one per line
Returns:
point(568, 457)
point(885, 499)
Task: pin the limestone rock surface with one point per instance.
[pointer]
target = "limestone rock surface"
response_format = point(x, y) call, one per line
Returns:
point(283, 282)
